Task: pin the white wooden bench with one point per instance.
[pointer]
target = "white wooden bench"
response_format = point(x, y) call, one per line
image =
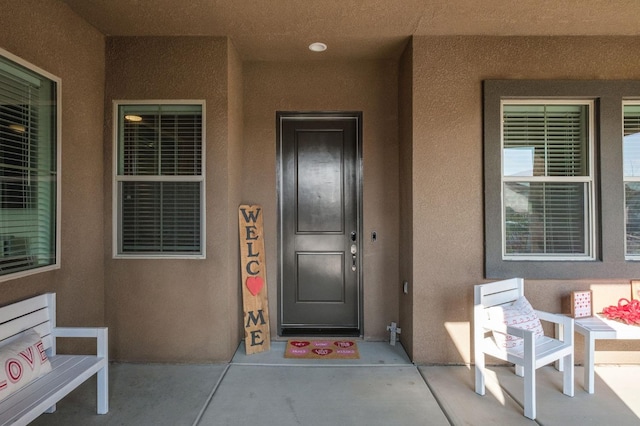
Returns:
point(68, 371)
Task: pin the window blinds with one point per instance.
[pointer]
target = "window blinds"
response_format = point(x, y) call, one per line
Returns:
point(160, 179)
point(546, 180)
point(27, 169)
point(555, 135)
point(631, 161)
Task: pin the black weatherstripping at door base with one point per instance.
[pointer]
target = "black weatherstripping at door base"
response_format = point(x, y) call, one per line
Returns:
point(329, 331)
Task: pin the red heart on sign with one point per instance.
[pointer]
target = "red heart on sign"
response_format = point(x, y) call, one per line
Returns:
point(343, 344)
point(299, 344)
point(322, 352)
point(254, 284)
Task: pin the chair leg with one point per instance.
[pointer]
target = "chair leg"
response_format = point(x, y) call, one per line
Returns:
point(568, 383)
point(480, 387)
point(530, 392)
point(519, 370)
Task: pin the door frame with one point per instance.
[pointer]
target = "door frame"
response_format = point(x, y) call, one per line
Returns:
point(321, 115)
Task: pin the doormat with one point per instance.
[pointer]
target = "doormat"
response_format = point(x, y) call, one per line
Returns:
point(322, 349)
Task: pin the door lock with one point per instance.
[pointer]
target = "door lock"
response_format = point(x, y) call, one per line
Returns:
point(353, 236)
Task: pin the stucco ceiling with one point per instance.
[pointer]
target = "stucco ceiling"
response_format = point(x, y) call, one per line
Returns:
point(282, 29)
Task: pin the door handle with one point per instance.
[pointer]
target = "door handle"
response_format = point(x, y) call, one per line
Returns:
point(354, 250)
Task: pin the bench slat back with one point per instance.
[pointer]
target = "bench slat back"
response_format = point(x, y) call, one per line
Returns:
point(36, 313)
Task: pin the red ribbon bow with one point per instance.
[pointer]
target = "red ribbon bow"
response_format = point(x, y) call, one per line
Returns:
point(626, 311)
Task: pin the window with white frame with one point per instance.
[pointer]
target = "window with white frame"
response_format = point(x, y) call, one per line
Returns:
point(159, 179)
point(29, 180)
point(547, 180)
point(631, 167)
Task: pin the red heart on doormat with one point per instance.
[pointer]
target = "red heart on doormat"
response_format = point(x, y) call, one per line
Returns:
point(299, 344)
point(254, 284)
point(322, 352)
point(343, 344)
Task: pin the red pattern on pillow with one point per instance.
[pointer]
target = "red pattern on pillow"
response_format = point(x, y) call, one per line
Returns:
point(519, 314)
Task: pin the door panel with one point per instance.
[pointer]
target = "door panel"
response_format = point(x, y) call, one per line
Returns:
point(320, 277)
point(319, 207)
point(318, 161)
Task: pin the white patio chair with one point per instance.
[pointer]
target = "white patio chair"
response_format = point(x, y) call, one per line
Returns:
point(533, 352)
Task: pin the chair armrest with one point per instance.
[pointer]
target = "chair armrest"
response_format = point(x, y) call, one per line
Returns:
point(564, 324)
point(500, 327)
point(520, 332)
point(491, 346)
point(100, 333)
point(554, 318)
point(508, 329)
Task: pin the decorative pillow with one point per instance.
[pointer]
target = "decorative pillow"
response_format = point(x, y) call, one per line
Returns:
point(22, 361)
point(519, 314)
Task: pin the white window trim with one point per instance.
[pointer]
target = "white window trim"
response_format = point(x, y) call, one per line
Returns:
point(58, 81)
point(590, 230)
point(114, 188)
point(625, 179)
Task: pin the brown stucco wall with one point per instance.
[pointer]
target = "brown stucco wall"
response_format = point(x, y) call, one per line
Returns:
point(236, 142)
point(178, 310)
point(50, 36)
point(367, 86)
point(448, 176)
point(405, 250)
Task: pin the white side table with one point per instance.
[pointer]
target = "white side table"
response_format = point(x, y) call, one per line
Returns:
point(594, 328)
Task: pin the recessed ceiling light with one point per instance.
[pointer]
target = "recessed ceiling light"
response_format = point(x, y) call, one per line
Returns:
point(18, 128)
point(131, 117)
point(317, 47)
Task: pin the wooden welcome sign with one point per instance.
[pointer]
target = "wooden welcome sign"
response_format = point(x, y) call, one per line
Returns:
point(257, 337)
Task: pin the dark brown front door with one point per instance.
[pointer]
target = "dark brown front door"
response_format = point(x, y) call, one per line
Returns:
point(319, 226)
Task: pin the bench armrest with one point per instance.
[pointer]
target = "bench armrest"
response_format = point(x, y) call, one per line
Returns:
point(100, 333)
point(78, 331)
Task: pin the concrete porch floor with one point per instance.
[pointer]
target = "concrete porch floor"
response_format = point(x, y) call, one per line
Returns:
point(381, 388)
